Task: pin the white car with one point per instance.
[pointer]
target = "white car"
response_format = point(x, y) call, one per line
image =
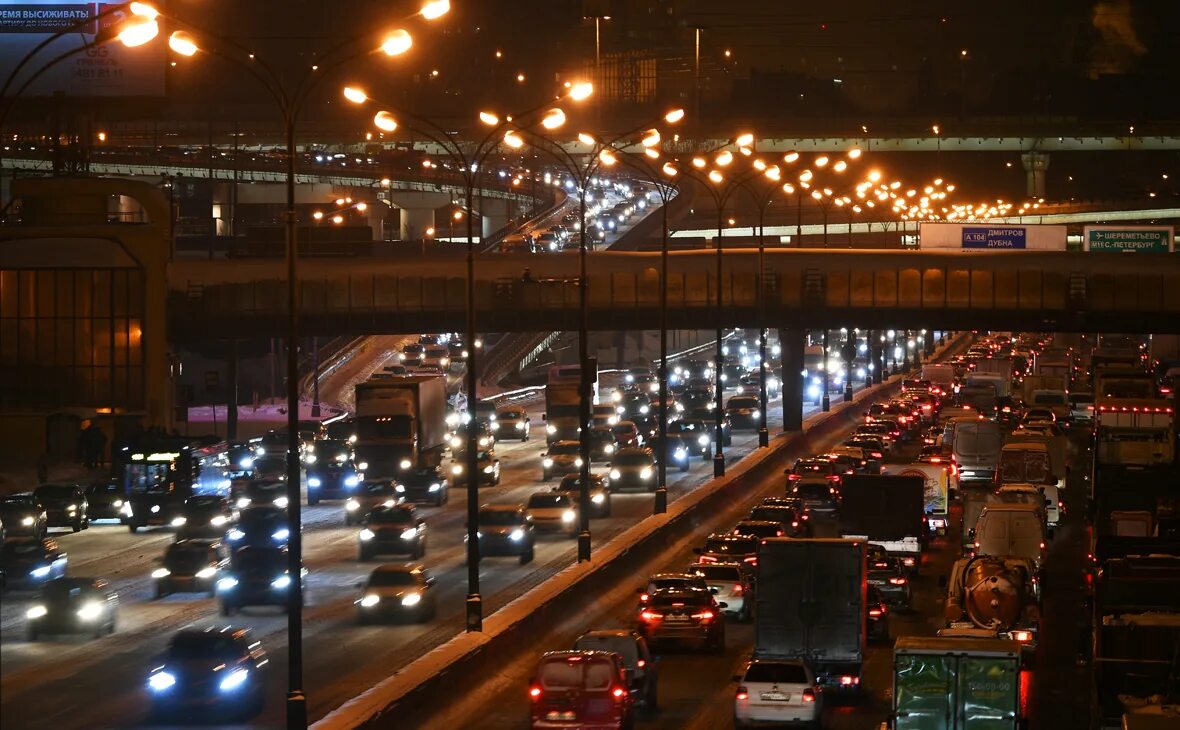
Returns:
point(776, 692)
point(730, 586)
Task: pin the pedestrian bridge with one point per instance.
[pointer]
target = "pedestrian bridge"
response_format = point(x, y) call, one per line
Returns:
point(1038, 291)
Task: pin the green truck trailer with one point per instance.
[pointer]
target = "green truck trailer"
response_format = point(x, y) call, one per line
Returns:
point(951, 683)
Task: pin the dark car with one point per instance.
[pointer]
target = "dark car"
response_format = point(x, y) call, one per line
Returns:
point(697, 399)
point(648, 426)
point(876, 615)
point(73, 606)
point(634, 468)
point(23, 516)
point(210, 670)
point(423, 485)
point(484, 438)
point(888, 575)
point(331, 473)
point(817, 497)
point(710, 420)
point(676, 451)
point(65, 505)
point(602, 443)
point(104, 500)
point(397, 591)
point(505, 529)
point(727, 548)
point(206, 516)
point(759, 528)
point(372, 494)
point(489, 469)
point(793, 520)
point(639, 665)
point(241, 460)
point(257, 492)
point(256, 576)
point(260, 526)
point(580, 689)
point(686, 615)
point(191, 566)
point(599, 489)
point(874, 451)
point(626, 434)
point(694, 435)
point(744, 412)
point(270, 466)
point(635, 404)
point(31, 561)
point(388, 530)
point(814, 470)
point(669, 582)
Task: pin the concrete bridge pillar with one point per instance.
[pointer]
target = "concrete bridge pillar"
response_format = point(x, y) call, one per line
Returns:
point(791, 344)
point(415, 222)
point(494, 214)
point(1035, 166)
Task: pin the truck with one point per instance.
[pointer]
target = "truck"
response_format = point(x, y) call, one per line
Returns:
point(1123, 382)
point(401, 425)
point(1033, 383)
point(810, 605)
point(1000, 594)
point(1001, 383)
point(886, 510)
point(982, 397)
point(953, 683)
point(1133, 434)
point(939, 374)
point(936, 483)
point(563, 402)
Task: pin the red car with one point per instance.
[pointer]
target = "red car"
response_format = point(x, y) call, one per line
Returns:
point(580, 689)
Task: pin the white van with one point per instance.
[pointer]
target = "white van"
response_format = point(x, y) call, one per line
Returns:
point(1011, 529)
point(976, 448)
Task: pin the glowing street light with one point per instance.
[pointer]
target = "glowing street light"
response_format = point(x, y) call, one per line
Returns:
point(355, 94)
point(397, 42)
point(553, 118)
point(435, 9)
point(182, 43)
point(674, 116)
point(138, 30)
point(581, 90)
point(489, 118)
point(385, 121)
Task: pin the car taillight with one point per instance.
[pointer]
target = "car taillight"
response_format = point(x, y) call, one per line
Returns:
point(644, 598)
point(742, 694)
point(877, 612)
point(641, 663)
point(618, 693)
point(737, 589)
point(877, 455)
point(650, 615)
point(808, 696)
point(898, 581)
point(1022, 636)
point(795, 523)
point(703, 616)
point(833, 477)
point(535, 692)
point(793, 477)
point(707, 559)
point(907, 562)
point(751, 559)
point(848, 680)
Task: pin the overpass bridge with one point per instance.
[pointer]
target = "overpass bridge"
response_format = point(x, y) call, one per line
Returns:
point(801, 288)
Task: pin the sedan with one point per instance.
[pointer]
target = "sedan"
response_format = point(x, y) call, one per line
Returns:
point(778, 692)
point(23, 515)
point(397, 591)
point(73, 606)
point(599, 489)
point(561, 458)
point(554, 512)
point(206, 516)
point(635, 468)
point(743, 412)
point(29, 562)
point(370, 496)
point(191, 566)
point(220, 670)
point(392, 530)
point(65, 505)
point(104, 500)
point(685, 615)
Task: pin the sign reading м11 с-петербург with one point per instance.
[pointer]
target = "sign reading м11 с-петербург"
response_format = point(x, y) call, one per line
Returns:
point(1148, 239)
point(995, 237)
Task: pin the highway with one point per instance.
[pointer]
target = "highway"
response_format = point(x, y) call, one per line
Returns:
point(71, 682)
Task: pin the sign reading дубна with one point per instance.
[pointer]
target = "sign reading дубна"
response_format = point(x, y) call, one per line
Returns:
point(994, 237)
point(1149, 239)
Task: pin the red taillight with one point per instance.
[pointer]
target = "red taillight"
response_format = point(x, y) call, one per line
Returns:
point(808, 696)
point(650, 615)
point(793, 477)
point(751, 559)
point(618, 693)
point(877, 455)
point(707, 559)
point(742, 694)
point(703, 616)
point(898, 581)
point(795, 523)
point(848, 681)
point(641, 663)
point(876, 612)
point(907, 562)
point(534, 692)
point(737, 589)
point(936, 460)
point(644, 598)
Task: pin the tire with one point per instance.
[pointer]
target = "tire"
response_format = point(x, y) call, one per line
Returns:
point(227, 610)
point(76, 527)
point(312, 501)
point(160, 593)
point(86, 523)
point(132, 528)
point(526, 557)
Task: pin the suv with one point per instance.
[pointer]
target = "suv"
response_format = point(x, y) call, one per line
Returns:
point(261, 526)
point(721, 548)
point(23, 515)
point(210, 668)
point(191, 565)
point(206, 515)
point(683, 615)
point(633, 467)
point(561, 458)
point(331, 473)
point(73, 606)
point(65, 505)
point(639, 665)
point(257, 576)
point(397, 591)
point(423, 485)
point(730, 585)
point(511, 423)
point(580, 689)
point(104, 500)
point(370, 495)
point(30, 561)
point(599, 489)
point(505, 529)
point(396, 529)
point(743, 411)
point(778, 691)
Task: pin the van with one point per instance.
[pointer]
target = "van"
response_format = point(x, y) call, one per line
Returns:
point(976, 448)
point(580, 689)
point(1010, 530)
point(1025, 494)
point(947, 441)
point(1057, 447)
point(1024, 462)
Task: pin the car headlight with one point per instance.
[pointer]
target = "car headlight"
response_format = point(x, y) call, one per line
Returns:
point(546, 462)
point(409, 533)
point(411, 599)
point(161, 681)
point(207, 572)
point(72, 508)
point(90, 611)
point(516, 535)
point(117, 504)
point(27, 521)
point(578, 461)
point(483, 441)
point(281, 534)
point(405, 463)
point(434, 487)
point(310, 458)
point(161, 573)
point(234, 679)
point(456, 442)
point(645, 473)
point(367, 534)
point(399, 488)
point(36, 611)
point(598, 498)
point(235, 534)
point(569, 516)
point(351, 480)
point(178, 521)
point(352, 505)
point(615, 474)
point(370, 599)
point(281, 582)
point(227, 584)
point(363, 465)
point(551, 429)
point(493, 426)
point(281, 502)
point(703, 440)
point(609, 449)
point(755, 413)
point(243, 502)
point(520, 425)
point(457, 469)
point(680, 454)
point(488, 470)
point(314, 482)
point(246, 463)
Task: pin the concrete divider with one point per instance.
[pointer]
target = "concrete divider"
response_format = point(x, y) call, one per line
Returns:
point(441, 673)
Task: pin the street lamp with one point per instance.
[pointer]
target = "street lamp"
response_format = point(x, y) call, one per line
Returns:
point(290, 100)
point(599, 154)
point(469, 160)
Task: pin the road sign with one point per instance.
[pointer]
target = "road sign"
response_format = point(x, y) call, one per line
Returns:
point(1145, 239)
point(995, 237)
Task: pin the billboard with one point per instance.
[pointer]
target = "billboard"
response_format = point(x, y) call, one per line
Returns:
point(1147, 239)
point(108, 70)
point(991, 237)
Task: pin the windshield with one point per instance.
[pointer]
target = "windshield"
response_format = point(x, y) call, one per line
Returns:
point(739, 546)
point(331, 451)
point(743, 403)
point(250, 559)
point(543, 501)
point(776, 673)
point(589, 673)
point(680, 601)
point(499, 518)
point(566, 449)
point(624, 646)
point(377, 489)
point(391, 516)
point(196, 646)
point(811, 468)
point(413, 349)
point(813, 491)
point(758, 530)
point(773, 514)
point(55, 491)
point(393, 578)
point(204, 503)
point(186, 555)
point(100, 489)
point(261, 517)
point(632, 459)
point(511, 415)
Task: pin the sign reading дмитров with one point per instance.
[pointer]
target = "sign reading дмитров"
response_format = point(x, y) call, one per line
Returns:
point(995, 237)
point(1146, 239)
point(991, 237)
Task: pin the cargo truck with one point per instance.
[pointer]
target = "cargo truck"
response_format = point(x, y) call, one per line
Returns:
point(562, 402)
point(401, 425)
point(888, 511)
point(936, 481)
point(945, 683)
point(1133, 434)
point(1000, 594)
point(811, 606)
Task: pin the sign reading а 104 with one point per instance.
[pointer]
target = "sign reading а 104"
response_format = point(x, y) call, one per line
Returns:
point(995, 237)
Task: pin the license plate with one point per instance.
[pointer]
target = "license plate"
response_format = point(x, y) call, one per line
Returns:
point(775, 697)
point(560, 715)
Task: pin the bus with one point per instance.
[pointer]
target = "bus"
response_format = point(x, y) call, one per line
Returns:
point(158, 473)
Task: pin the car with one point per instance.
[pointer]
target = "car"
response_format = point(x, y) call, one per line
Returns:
point(371, 494)
point(633, 467)
point(73, 606)
point(411, 355)
point(888, 575)
point(752, 383)
point(191, 566)
point(23, 516)
point(694, 436)
point(602, 443)
point(29, 562)
point(489, 469)
point(397, 371)
point(580, 689)
point(423, 485)
point(603, 415)
point(687, 580)
point(554, 512)
point(599, 489)
point(387, 530)
point(256, 576)
point(777, 692)
point(744, 412)
point(505, 529)
point(813, 470)
point(263, 525)
point(791, 518)
point(206, 516)
point(727, 547)
point(1038, 414)
point(485, 439)
point(881, 431)
point(436, 356)
point(648, 427)
point(258, 492)
point(65, 505)
point(730, 585)
point(675, 451)
point(561, 458)
point(845, 463)
point(104, 500)
point(819, 498)
point(331, 473)
point(710, 422)
point(397, 591)
point(270, 466)
point(698, 400)
point(684, 615)
point(626, 434)
point(512, 423)
point(874, 450)
point(759, 528)
point(876, 615)
point(633, 405)
point(639, 665)
point(212, 670)
point(638, 374)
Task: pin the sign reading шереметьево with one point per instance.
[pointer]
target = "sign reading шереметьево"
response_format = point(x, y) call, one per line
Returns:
point(1149, 239)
